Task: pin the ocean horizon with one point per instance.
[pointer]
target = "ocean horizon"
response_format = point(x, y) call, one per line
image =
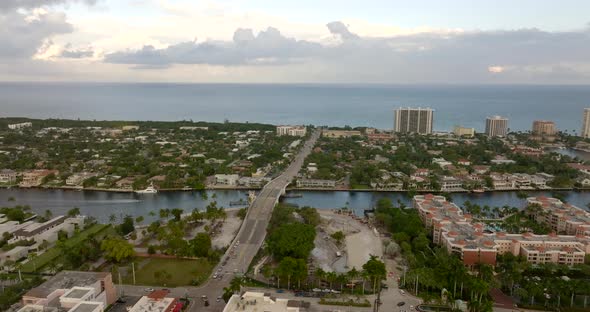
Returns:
point(318, 104)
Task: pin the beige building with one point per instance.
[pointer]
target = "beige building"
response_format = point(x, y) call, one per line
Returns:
point(461, 235)
point(257, 301)
point(496, 126)
point(561, 217)
point(7, 176)
point(462, 131)
point(70, 289)
point(340, 133)
point(543, 128)
point(291, 130)
point(586, 124)
point(35, 177)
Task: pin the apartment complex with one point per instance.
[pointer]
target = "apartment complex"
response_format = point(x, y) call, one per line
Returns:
point(543, 130)
point(460, 234)
point(496, 126)
point(413, 120)
point(291, 130)
point(313, 183)
point(561, 217)
point(462, 131)
point(72, 291)
point(586, 124)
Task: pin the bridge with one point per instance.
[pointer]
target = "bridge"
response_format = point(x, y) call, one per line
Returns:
point(252, 232)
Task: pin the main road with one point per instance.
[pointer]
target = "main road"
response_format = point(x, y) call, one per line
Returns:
point(251, 235)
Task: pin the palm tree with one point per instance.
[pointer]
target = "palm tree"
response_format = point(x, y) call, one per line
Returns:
point(319, 275)
point(112, 218)
point(352, 275)
point(331, 276)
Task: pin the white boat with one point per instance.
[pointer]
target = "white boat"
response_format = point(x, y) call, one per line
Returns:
point(149, 190)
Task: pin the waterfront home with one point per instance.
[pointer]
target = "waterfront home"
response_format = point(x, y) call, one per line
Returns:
point(227, 179)
point(35, 177)
point(8, 176)
point(313, 183)
point(450, 184)
point(125, 183)
point(580, 167)
point(481, 169)
point(77, 179)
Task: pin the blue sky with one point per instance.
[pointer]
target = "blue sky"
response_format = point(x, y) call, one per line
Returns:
point(379, 41)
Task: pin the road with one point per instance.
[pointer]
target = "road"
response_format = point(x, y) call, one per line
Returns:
point(248, 240)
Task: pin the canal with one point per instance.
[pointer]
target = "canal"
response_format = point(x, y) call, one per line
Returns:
point(104, 204)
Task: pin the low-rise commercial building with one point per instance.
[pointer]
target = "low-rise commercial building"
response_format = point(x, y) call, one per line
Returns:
point(340, 133)
point(74, 291)
point(157, 301)
point(257, 301)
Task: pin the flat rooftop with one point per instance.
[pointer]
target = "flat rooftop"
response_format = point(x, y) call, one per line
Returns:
point(86, 307)
point(77, 293)
point(66, 280)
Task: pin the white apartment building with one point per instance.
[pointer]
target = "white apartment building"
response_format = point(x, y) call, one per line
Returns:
point(20, 125)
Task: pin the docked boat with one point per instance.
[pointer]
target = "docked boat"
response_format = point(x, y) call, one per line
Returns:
point(478, 191)
point(149, 190)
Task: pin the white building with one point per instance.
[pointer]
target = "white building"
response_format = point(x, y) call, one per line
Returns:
point(257, 301)
point(20, 125)
point(227, 179)
point(316, 183)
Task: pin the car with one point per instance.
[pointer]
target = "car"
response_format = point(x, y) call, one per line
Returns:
point(148, 290)
point(215, 276)
point(400, 304)
point(204, 297)
point(218, 298)
point(384, 286)
point(411, 307)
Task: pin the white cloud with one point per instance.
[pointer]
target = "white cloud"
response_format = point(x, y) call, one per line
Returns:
point(495, 69)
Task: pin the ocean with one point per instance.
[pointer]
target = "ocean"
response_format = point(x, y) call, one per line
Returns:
point(323, 104)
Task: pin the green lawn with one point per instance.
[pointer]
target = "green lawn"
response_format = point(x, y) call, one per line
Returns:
point(55, 252)
point(169, 272)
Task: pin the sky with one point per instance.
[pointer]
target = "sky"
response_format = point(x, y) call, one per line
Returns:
point(296, 41)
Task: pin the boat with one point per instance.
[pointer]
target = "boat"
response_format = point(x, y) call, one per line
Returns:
point(149, 190)
point(478, 191)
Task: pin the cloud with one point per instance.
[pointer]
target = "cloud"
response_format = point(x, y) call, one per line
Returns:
point(30, 4)
point(495, 69)
point(22, 34)
point(68, 52)
point(432, 57)
point(338, 28)
point(268, 47)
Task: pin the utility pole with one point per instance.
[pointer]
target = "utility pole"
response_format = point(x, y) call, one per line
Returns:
point(133, 268)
